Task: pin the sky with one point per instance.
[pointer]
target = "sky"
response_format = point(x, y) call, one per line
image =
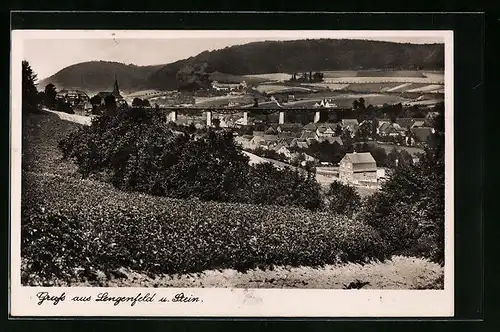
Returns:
point(47, 56)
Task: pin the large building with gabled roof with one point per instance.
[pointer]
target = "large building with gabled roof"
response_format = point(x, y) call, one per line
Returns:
point(358, 168)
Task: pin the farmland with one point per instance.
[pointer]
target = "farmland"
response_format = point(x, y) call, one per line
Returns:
point(274, 88)
point(222, 100)
point(384, 73)
point(345, 100)
point(271, 77)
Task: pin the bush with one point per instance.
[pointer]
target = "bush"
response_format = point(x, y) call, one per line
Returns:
point(342, 199)
point(283, 187)
point(73, 225)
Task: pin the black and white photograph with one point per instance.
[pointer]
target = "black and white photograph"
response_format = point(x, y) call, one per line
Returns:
point(235, 168)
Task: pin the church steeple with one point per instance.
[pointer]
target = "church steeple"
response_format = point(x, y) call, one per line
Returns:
point(116, 90)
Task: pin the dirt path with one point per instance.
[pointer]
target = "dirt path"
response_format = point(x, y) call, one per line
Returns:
point(80, 119)
point(397, 273)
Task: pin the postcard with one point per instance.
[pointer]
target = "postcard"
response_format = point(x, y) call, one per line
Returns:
point(238, 173)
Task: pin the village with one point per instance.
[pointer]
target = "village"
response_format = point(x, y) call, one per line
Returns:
point(330, 146)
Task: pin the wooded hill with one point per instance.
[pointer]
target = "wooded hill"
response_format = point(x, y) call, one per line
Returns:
point(253, 58)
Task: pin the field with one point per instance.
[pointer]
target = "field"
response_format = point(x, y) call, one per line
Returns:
point(345, 100)
point(67, 212)
point(342, 77)
point(270, 77)
point(222, 101)
point(274, 88)
point(384, 73)
point(326, 86)
point(371, 87)
point(427, 88)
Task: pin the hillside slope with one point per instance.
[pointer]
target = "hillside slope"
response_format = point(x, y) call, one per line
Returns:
point(95, 76)
point(254, 58)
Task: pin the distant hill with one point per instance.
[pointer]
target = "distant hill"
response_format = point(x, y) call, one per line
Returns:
point(95, 76)
point(253, 58)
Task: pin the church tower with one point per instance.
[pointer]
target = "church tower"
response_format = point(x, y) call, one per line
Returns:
point(116, 89)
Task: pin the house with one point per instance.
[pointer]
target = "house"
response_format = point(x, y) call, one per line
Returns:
point(358, 168)
point(388, 129)
point(309, 137)
point(299, 143)
point(256, 141)
point(421, 134)
point(310, 127)
point(351, 124)
point(309, 158)
point(404, 122)
point(326, 130)
point(271, 131)
point(283, 149)
point(270, 137)
point(418, 124)
point(289, 135)
point(431, 115)
point(287, 141)
point(268, 141)
point(326, 103)
point(73, 97)
point(240, 122)
point(401, 130)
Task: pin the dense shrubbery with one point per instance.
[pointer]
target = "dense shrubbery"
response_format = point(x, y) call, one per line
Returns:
point(70, 227)
point(343, 199)
point(408, 211)
point(138, 152)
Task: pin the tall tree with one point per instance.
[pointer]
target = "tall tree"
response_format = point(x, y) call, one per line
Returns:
point(408, 211)
point(364, 131)
point(96, 100)
point(29, 93)
point(50, 96)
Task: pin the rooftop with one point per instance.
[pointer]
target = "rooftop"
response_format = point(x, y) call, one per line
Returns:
point(359, 158)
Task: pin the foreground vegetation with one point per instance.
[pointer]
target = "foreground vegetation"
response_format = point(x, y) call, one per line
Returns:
point(95, 226)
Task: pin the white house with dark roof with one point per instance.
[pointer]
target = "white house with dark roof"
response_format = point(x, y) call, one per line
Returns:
point(358, 168)
point(326, 130)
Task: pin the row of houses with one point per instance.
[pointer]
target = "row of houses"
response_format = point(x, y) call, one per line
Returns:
point(284, 141)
